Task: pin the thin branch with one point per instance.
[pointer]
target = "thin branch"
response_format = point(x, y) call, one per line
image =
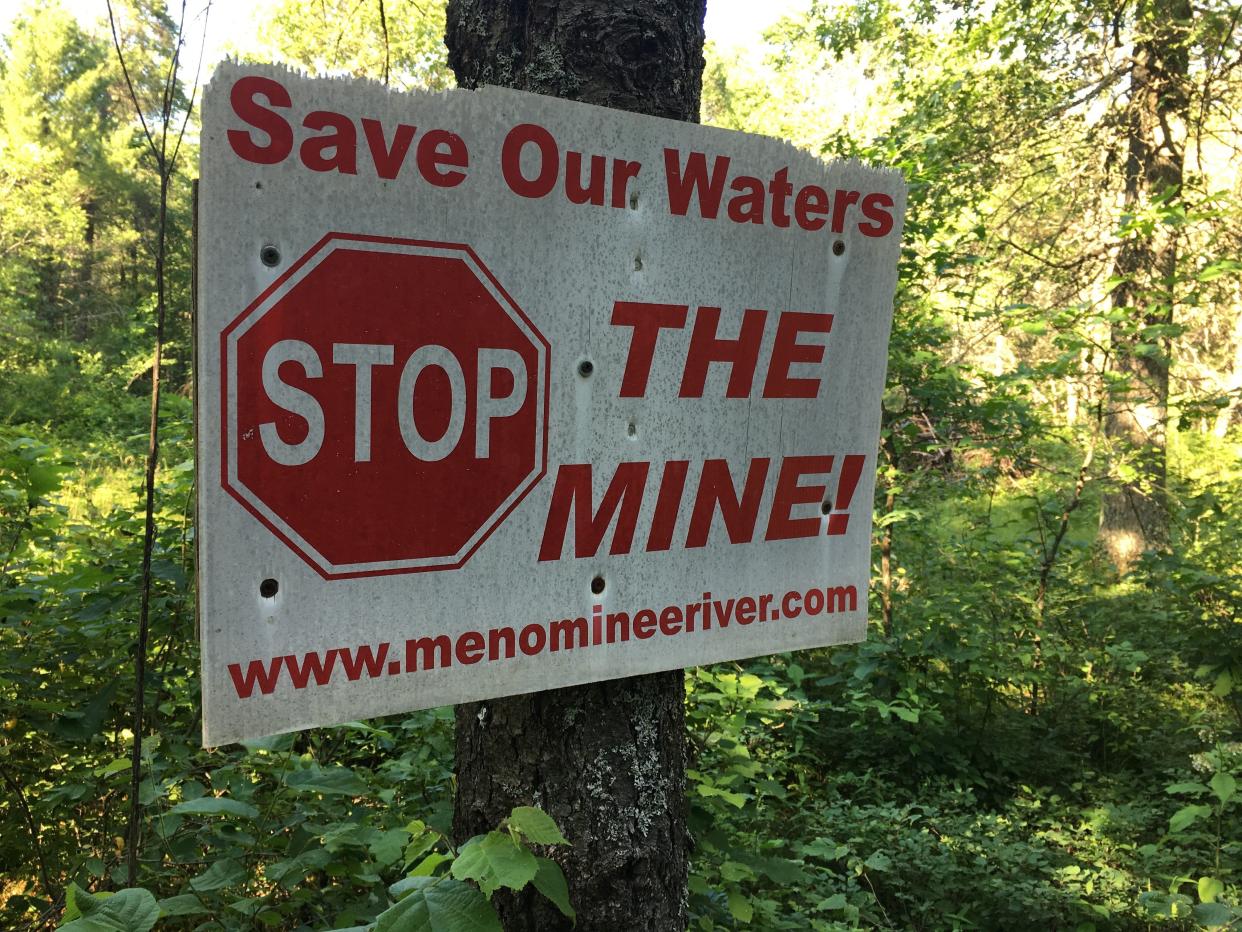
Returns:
point(165, 167)
point(16, 789)
point(384, 27)
point(1050, 554)
point(133, 95)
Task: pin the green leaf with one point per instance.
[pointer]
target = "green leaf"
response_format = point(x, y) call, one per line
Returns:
point(1224, 786)
point(407, 885)
point(1224, 684)
point(427, 866)
point(1213, 915)
point(459, 907)
point(550, 881)
point(734, 799)
point(836, 901)
point(740, 907)
point(1210, 889)
point(1215, 270)
point(733, 871)
point(1187, 816)
point(221, 874)
point(327, 780)
point(121, 763)
point(1186, 789)
point(781, 870)
point(74, 895)
point(495, 860)
point(421, 841)
point(272, 744)
point(388, 846)
point(536, 826)
point(443, 905)
point(129, 910)
point(409, 915)
point(184, 904)
point(879, 861)
point(215, 805)
point(84, 725)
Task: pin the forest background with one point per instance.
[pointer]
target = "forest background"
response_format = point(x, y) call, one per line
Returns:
point(1042, 730)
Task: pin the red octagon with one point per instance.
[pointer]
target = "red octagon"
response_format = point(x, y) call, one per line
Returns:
point(385, 406)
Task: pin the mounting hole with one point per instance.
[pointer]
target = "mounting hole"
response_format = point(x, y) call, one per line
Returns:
point(838, 248)
point(597, 585)
point(631, 430)
point(268, 588)
point(824, 508)
point(638, 263)
point(585, 368)
point(269, 255)
point(634, 201)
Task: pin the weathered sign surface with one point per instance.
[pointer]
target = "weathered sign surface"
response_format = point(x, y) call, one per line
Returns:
point(499, 393)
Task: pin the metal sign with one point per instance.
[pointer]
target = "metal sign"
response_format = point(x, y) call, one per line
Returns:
point(499, 393)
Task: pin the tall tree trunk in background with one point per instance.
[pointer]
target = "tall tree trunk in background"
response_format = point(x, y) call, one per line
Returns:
point(1134, 516)
point(86, 276)
point(606, 760)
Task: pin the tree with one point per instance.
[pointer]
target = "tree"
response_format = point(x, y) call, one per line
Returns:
point(606, 760)
point(399, 42)
point(1061, 135)
point(1156, 118)
point(55, 120)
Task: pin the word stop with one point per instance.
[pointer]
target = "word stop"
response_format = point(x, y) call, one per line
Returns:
point(488, 406)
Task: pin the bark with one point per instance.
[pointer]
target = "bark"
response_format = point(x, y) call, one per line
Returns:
point(1133, 517)
point(645, 56)
point(606, 760)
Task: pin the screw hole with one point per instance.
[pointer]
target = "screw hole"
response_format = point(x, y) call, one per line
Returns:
point(824, 508)
point(638, 263)
point(258, 185)
point(268, 588)
point(597, 585)
point(269, 255)
point(585, 368)
point(838, 248)
point(634, 201)
point(631, 429)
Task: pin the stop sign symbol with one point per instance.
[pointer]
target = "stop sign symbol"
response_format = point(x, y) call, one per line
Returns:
point(385, 405)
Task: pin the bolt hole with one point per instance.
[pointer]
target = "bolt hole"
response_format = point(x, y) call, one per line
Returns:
point(634, 201)
point(269, 255)
point(838, 248)
point(597, 585)
point(638, 263)
point(268, 588)
point(585, 368)
point(631, 429)
point(258, 185)
point(825, 508)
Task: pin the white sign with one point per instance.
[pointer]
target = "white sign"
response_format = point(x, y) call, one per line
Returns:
point(500, 393)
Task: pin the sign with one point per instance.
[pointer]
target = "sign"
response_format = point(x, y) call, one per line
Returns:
point(409, 451)
point(499, 393)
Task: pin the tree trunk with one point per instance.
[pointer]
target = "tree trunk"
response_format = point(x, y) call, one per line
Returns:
point(85, 304)
point(1134, 517)
point(606, 760)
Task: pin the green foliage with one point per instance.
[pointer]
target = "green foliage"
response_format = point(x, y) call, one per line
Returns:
point(402, 44)
point(427, 899)
point(130, 910)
